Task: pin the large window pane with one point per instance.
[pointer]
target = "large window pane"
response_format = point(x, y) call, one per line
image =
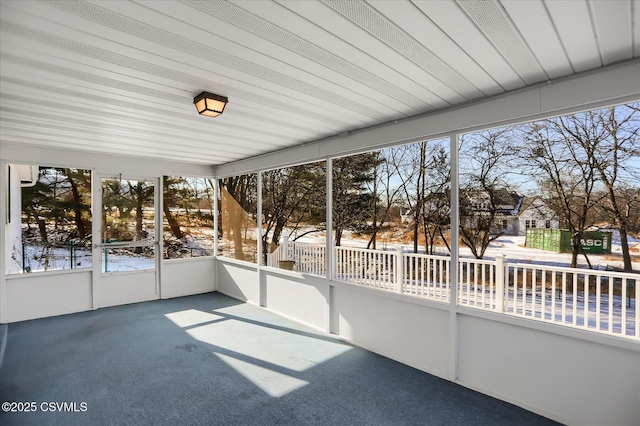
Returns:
point(549, 219)
point(49, 218)
point(391, 218)
point(571, 179)
point(394, 198)
point(188, 217)
point(294, 218)
point(128, 216)
point(128, 210)
point(238, 226)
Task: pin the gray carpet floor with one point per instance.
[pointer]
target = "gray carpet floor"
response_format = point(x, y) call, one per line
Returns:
point(212, 360)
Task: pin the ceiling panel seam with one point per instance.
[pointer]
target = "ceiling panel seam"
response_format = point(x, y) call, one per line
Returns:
point(422, 87)
point(594, 28)
point(557, 34)
point(454, 42)
point(493, 22)
point(376, 24)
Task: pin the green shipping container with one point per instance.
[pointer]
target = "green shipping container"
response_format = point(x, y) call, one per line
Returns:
point(559, 240)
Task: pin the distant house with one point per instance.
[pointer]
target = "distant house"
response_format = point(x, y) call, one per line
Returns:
point(535, 213)
point(514, 213)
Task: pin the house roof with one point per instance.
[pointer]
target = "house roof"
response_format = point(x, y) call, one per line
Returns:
point(117, 77)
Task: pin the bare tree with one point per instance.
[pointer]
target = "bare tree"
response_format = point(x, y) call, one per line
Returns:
point(409, 164)
point(562, 162)
point(487, 159)
point(608, 141)
point(386, 192)
point(436, 207)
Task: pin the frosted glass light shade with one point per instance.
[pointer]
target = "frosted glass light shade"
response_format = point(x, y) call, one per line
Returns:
point(210, 104)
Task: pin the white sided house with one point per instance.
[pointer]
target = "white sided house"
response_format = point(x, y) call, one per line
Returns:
point(534, 213)
point(514, 213)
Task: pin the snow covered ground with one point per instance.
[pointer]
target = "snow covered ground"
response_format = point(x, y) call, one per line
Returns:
point(513, 247)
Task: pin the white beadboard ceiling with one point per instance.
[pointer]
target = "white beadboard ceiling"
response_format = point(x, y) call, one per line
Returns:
point(119, 77)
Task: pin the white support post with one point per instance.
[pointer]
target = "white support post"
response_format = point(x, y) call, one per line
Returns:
point(159, 246)
point(262, 280)
point(329, 242)
point(399, 270)
point(455, 265)
point(216, 206)
point(285, 247)
point(331, 324)
point(334, 259)
point(259, 221)
point(500, 283)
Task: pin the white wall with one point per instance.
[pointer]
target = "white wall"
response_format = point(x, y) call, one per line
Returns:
point(302, 297)
point(119, 288)
point(182, 277)
point(568, 377)
point(408, 330)
point(45, 294)
point(239, 280)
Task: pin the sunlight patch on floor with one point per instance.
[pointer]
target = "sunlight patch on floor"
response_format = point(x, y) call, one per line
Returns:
point(191, 317)
point(283, 348)
point(271, 382)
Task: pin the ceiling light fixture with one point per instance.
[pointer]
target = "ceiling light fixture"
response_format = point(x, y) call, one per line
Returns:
point(210, 104)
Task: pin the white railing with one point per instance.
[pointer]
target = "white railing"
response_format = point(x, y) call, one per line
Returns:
point(590, 299)
point(600, 301)
point(274, 258)
point(426, 276)
point(373, 268)
point(307, 258)
point(478, 285)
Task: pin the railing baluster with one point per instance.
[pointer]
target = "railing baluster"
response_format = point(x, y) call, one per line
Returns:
point(636, 313)
point(484, 282)
point(475, 284)
point(623, 308)
point(564, 297)
point(524, 291)
point(598, 304)
point(553, 296)
point(515, 290)
point(534, 292)
point(574, 309)
point(585, 303)
point(543, 298)
point(610, 325)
